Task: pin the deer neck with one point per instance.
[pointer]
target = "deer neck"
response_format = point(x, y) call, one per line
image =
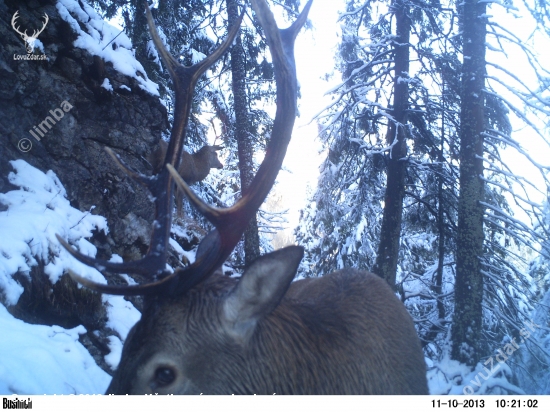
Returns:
point(202, 165)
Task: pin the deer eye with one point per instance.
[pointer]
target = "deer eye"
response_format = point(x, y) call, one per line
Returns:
point(164, 376)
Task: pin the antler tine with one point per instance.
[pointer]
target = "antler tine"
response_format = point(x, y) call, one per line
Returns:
point(138, 177)
point(185, 79)
point(161, 185)
point(231, 223)
point(123, 289)
point(198, 69)
point(212, 214)
point(137, 267)
point(16, 28)
point(37, 32)
point(281, 45)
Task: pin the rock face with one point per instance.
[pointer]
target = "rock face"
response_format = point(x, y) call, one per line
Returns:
point(81, 119)
point(69, 85)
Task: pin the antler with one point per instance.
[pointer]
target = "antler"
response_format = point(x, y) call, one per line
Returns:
point(37, 32)
point(24, 34)
point(16, 28)
point(229, 223)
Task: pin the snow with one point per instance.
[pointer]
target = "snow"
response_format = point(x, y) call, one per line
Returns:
point(449, 377)
point(36, 212)
point(197, 56)
point(107, 85)
point(122, 315)
point(38, 359)
point(533, 371)
point(103, 40)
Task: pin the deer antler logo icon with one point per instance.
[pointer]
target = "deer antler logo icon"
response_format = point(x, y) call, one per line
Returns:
point(29, 40)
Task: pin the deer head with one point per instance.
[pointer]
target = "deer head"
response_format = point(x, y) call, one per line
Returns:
point(206, 155)
point(193, 167)
point(201, 332)
point(29, 40)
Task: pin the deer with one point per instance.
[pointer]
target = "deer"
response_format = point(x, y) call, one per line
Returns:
point(205, 333)
point(193, 167)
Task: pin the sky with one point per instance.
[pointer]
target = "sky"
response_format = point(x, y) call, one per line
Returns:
point(315, 50)
point(521, 24)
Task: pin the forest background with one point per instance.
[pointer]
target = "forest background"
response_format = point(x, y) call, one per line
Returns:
point(421, 154)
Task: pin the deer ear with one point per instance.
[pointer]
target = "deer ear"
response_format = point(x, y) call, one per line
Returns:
point(260, 290)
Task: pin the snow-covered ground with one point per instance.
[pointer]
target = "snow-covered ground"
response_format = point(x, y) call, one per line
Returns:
point(37, 359)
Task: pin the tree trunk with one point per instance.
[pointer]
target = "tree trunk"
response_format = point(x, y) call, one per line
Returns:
point(388, 249)
point(243, 134)
point(437, 287)
point(467, 322)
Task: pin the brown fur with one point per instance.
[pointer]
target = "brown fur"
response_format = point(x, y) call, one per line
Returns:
point(344, 333)
point(193, 167)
